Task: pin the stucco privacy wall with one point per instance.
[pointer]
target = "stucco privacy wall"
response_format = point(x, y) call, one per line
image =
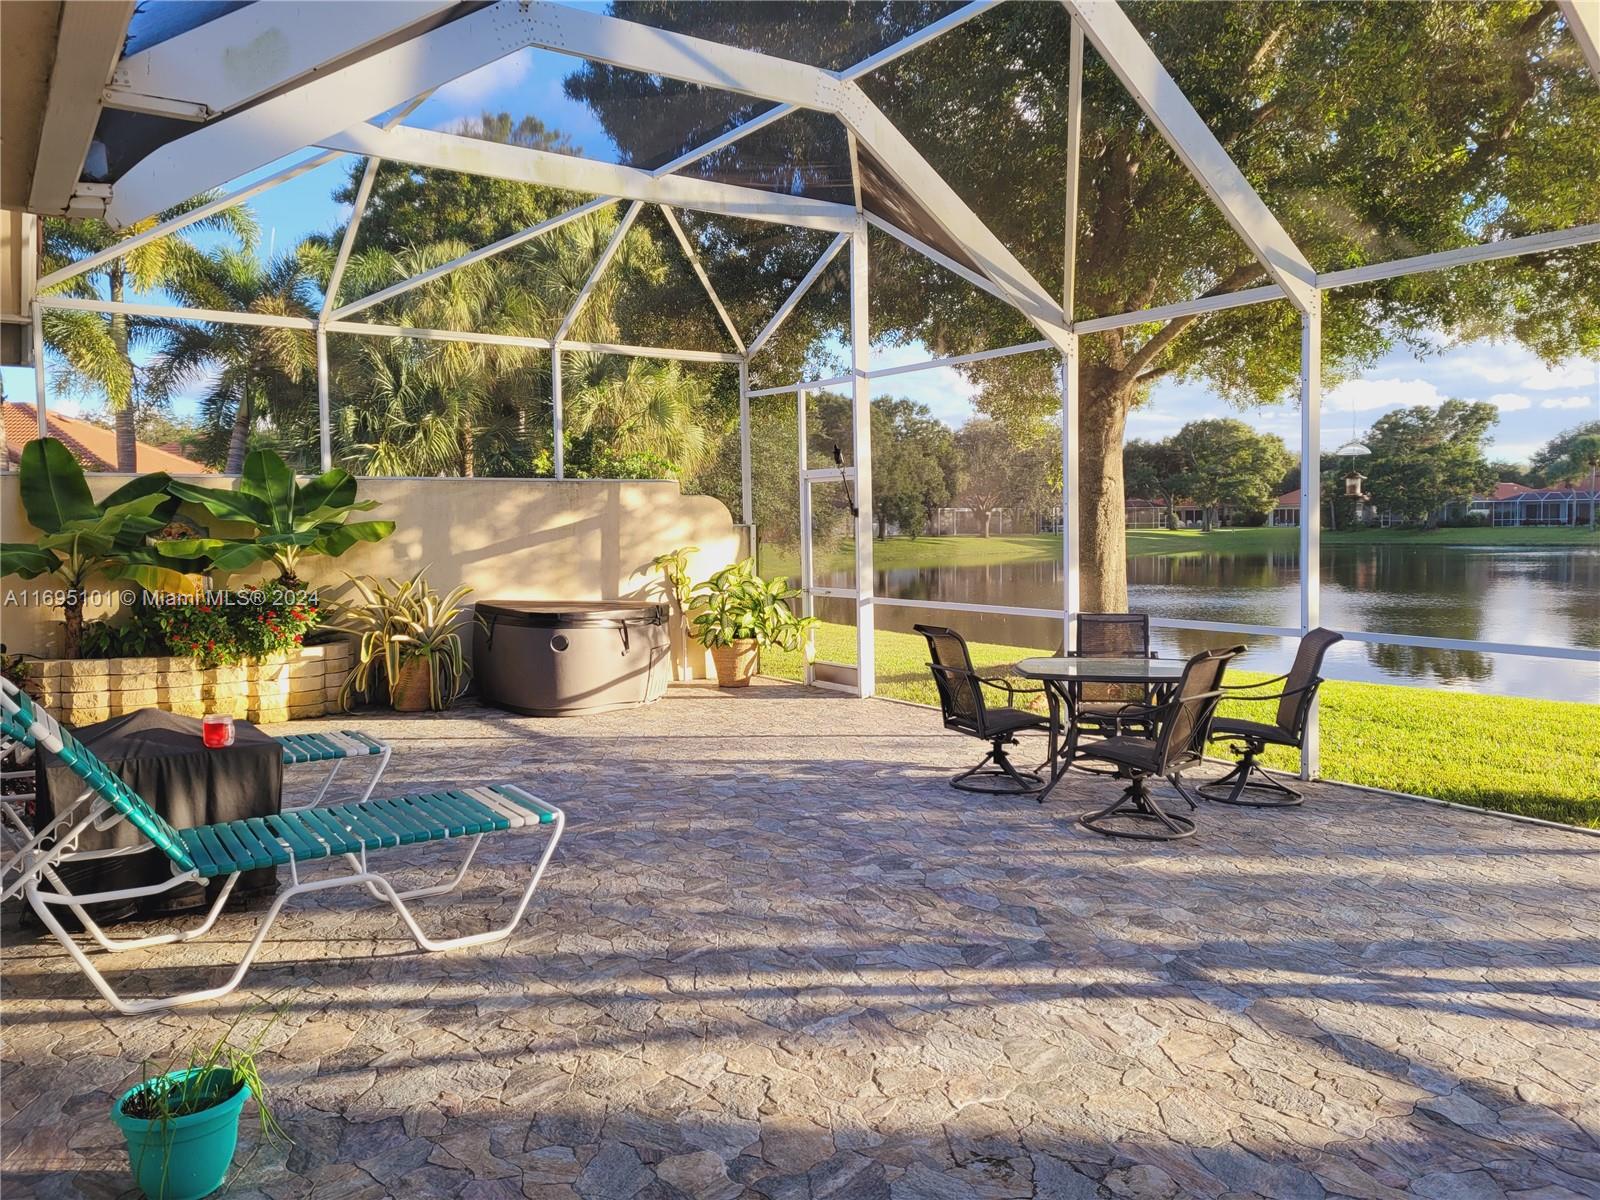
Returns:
point(507, 538)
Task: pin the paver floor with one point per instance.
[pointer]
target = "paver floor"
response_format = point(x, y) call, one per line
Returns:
point(778, 957)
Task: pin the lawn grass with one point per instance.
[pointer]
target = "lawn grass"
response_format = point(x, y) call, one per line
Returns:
point(1539, 758)
point(902, 553)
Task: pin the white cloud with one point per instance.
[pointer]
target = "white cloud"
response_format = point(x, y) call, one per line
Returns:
point(946, 391)
point(1510, 401)
point(1570, 402)
point(1364, 395)
point(1510, 363)
point(474, 88)
point(1517, 452)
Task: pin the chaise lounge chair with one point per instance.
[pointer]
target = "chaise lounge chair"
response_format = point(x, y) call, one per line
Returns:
point(335, 748)
point(293, 838)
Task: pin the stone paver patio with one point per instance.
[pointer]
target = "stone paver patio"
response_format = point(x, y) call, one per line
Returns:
point(778, 957)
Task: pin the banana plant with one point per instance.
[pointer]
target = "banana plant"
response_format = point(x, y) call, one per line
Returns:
point(289, 520)
point(80, 539)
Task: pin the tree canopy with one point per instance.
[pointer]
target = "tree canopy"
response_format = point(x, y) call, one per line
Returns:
point(1372, 131)
point(1424, 458)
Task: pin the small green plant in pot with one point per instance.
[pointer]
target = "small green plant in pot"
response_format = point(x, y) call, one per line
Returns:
point(182, 1125)
point(409, 636)
point(738, 612)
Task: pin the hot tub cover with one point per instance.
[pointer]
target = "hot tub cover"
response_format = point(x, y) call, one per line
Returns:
point(549, 614)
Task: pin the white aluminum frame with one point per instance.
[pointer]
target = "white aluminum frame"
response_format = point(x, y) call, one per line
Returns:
point(333, 107)
point(201, 72)
point(32, 859)
point(88, 43)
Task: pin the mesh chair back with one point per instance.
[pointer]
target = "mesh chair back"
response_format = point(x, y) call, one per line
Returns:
point(21, 718)
point(959, 697)
point(1188, 719)
point(1113, 635)
point(1305, 676)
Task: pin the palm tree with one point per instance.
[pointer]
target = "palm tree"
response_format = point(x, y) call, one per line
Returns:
point(96, 353)
point(643, 416)
point(439, 407)
point(250, 371)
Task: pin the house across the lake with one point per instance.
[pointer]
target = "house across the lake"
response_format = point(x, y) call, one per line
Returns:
point(1514, 504)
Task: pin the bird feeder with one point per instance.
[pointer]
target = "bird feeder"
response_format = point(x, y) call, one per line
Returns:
point(1352, 485)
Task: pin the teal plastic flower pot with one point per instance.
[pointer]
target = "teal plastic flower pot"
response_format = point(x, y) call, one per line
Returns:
point(187, 1157)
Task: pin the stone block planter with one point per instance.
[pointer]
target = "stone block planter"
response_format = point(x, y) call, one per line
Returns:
point(282, 687)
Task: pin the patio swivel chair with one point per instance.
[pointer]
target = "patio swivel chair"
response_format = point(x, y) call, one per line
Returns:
point(1181, 726)
point(1247, 784)
point(1109, 709)
point(965, 707)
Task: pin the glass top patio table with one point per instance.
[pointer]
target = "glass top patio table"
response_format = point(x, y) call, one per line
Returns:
point(1102, 670)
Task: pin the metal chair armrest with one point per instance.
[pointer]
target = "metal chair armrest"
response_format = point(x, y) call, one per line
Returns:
point(1240, 687)
point(1312, 686)
point(1009, 686)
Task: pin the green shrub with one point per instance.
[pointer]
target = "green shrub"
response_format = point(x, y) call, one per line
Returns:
point(217, 629)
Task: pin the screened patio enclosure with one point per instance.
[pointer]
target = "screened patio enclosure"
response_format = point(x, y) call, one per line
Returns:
point(201, 95)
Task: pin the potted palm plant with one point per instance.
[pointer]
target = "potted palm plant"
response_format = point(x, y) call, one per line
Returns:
point(409, 636)
point(738, 612)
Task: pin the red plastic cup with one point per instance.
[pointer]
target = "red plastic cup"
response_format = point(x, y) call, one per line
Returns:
point(216, 731)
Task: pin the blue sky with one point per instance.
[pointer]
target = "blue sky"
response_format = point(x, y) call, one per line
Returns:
point(1535, 401)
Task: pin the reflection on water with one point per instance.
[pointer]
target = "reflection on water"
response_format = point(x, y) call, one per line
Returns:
point(1528, 595)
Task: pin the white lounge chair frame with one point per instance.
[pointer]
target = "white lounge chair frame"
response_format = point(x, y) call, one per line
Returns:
point(34, 856)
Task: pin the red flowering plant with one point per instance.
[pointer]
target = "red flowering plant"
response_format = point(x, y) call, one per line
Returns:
point(223, 629)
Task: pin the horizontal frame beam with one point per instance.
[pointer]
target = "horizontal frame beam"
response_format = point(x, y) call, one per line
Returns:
point(1568, 653)
point(1199, 306)
point(1534, 243)
point(701, 356)
point(807, 386)
point(226, 62)
point(174, 312)
point(372, 329)
point(474, 156)
point(957, 360)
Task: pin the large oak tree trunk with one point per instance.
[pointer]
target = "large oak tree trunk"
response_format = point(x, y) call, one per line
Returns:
point(122, 418)
point(1103, 404)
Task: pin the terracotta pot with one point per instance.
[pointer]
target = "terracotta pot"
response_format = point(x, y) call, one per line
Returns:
point(736, 663)
point(410, 692)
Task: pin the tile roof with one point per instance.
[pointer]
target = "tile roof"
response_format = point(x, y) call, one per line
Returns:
point(92, 445)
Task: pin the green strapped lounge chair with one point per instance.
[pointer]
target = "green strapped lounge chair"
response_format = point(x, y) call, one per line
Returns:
point(336, 748)
point(343, 834)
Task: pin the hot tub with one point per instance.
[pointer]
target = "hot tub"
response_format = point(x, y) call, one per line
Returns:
point(551, 658)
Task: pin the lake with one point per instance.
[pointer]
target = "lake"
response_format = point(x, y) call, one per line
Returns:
point(1531, 595)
